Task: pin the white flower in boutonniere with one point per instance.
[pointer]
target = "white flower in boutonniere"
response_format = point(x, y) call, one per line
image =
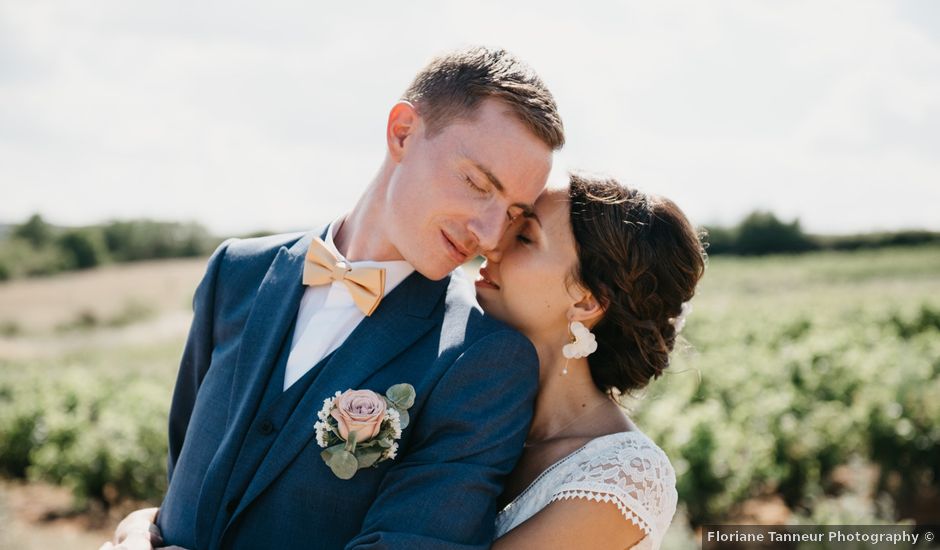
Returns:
point(360, 428)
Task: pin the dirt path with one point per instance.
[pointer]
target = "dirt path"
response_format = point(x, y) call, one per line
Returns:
point(40, 305)
point(41, 517)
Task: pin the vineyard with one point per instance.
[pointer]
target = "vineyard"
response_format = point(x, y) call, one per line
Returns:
point(808, 384)
point(810, 381)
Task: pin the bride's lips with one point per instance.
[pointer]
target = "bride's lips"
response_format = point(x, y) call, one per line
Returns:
point(457, 253)
point(485, 281)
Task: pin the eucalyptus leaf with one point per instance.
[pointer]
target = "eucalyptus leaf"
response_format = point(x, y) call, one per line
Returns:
point(405, 419)
point(370, 444)
point(369, 458)
point(344, 464)
point(384, 442)
point(402, 395)
point(328, 453)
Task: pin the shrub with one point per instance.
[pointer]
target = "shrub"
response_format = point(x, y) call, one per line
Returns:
point(35, 231)
point(105, 441)
point(145, 239)
point(104, 438)
point(9, 329)
point(721, 240)
point(763, 233)
point(18, 428)
point(83, 248)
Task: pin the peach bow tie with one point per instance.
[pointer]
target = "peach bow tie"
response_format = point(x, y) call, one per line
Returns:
point(366, 284)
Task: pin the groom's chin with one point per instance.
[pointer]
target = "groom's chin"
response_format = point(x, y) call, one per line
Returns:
point(435, 269)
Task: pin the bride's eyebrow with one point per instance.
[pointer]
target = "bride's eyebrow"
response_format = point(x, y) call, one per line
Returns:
point(531, 215)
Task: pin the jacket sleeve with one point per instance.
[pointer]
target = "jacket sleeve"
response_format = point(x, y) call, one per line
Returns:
point(442, 492)
point(196, 357)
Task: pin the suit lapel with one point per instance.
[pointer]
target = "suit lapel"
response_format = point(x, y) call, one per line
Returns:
point(401, 319)
point(275, 308)
point(275, 305)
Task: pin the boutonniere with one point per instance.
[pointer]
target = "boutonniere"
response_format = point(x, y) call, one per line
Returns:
point(360, 428)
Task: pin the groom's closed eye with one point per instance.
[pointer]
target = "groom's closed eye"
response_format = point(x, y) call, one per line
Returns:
point(490, 177)
point(469, 181)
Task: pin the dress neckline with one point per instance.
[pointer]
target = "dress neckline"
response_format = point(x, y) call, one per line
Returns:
point(564, 459)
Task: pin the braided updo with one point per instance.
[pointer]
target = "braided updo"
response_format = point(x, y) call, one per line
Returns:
point(641, 259)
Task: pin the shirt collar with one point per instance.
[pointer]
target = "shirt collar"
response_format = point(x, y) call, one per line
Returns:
point(395, 271)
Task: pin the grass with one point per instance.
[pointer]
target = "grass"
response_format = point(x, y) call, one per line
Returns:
point(796, 368)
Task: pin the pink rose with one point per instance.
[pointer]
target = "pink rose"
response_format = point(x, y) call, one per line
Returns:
point(360, 411)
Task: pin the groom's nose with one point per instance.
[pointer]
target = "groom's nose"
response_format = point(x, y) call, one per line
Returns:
point(493, 256)
point(489, 226)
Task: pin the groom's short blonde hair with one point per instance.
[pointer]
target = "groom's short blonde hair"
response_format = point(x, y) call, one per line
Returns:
point(452, 85)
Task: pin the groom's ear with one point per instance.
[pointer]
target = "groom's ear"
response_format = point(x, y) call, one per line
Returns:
point(403, 122)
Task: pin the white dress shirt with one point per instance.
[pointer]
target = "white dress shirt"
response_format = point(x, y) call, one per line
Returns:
point(328, 315)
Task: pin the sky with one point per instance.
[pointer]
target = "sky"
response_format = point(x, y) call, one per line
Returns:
point(248, 116)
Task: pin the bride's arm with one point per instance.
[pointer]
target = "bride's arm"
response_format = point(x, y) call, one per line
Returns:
point(574, 523)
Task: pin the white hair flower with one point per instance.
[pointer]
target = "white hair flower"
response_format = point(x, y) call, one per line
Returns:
point(679, 320)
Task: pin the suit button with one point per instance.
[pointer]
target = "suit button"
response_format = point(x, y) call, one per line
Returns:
point(266, 427)
point(231, 506)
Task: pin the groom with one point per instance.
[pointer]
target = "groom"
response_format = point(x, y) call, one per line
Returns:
point(468, 150)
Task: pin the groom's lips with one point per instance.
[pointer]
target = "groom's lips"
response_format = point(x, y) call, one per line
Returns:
point(456, 252)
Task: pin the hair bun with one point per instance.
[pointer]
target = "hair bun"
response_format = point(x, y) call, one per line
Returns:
point(641, 258)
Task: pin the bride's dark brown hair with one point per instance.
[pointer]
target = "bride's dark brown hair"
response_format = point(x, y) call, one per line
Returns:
point(641, 259)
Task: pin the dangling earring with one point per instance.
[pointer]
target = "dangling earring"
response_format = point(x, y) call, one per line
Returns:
point(583, 343)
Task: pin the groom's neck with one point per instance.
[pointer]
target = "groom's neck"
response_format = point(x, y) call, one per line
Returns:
point(362, 234)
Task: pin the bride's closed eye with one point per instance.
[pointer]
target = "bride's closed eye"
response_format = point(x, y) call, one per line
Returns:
point(527, 233)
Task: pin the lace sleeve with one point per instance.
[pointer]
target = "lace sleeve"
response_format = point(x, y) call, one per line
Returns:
point(632, 473)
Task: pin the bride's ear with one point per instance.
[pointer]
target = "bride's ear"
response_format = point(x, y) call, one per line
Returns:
point(588, 310)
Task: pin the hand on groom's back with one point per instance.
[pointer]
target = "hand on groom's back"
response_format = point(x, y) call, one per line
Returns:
point(138, 531)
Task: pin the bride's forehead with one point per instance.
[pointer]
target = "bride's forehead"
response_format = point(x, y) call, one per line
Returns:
point(556, 185)
point(551, 200)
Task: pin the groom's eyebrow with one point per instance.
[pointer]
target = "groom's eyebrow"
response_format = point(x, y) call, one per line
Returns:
point(489, 175)
point(527, 209)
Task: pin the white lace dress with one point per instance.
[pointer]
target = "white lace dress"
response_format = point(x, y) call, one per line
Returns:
point(625, 468)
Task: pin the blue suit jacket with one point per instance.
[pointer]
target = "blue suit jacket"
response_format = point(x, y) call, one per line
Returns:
point(475, 380)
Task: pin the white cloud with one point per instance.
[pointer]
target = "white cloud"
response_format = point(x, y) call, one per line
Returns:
point(242, 115)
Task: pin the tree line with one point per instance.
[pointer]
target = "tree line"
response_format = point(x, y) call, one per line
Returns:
point(36, 247)
point(762, 233)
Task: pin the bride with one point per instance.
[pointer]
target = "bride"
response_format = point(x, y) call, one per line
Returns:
point(599, 278)
point(613, 270)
